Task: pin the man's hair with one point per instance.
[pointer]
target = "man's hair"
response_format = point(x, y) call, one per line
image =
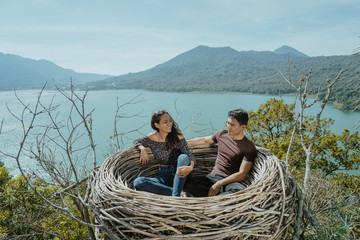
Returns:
point(240, 115)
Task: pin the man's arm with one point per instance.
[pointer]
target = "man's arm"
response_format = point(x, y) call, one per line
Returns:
point(245, 168)
point(200, 141)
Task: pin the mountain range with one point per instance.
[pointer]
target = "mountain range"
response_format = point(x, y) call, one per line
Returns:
point(202, 69)
point(223, 69)
point(17, 72)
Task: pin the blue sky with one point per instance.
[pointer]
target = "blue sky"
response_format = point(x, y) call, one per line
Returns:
point(117, 36)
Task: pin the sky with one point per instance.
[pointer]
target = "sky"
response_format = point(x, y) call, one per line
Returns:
point(120, 36)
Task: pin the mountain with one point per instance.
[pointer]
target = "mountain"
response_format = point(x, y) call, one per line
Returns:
point(19, 72)
point(223, 69)
point(289, 50)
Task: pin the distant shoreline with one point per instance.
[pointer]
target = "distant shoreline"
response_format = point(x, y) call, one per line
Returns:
point(336, 105)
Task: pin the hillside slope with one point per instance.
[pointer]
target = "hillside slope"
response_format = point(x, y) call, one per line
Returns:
point(19, 72)
point(225, 69)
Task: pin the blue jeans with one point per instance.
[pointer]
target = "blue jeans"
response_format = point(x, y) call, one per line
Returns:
point(167, 182)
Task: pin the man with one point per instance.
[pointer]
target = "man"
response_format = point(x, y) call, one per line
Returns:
point(235, 158)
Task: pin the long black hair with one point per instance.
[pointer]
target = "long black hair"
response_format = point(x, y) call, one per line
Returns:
point(172, 139)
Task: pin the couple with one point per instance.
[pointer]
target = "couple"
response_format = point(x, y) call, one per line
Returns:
point(235, 157)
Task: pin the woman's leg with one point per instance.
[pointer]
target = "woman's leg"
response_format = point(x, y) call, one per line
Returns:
point(153, 185)
point(183, 160)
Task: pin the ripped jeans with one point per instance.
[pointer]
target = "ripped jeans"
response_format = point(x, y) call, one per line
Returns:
point(167, 182)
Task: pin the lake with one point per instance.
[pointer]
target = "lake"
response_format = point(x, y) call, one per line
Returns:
point(208, 110)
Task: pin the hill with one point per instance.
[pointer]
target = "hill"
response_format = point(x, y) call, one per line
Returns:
point(223, 69)
point(19, 72)
point(289, 50)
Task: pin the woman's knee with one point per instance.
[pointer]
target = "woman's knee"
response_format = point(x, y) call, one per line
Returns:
point(183, 160)
point(138, 182)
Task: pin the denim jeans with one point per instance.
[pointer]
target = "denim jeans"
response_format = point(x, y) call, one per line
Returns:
point(167, 182)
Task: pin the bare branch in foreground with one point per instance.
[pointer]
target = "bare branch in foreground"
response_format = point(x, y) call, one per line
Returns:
point(1, 124)
point(303, 98)
point(118, 137)
point(54, 136)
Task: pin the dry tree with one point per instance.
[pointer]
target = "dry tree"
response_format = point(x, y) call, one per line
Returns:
point(64, 149)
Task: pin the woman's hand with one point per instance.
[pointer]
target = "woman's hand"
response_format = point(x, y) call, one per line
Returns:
point(183, 171)
point(144, 157)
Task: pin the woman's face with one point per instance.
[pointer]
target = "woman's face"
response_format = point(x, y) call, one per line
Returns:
point(165, 124)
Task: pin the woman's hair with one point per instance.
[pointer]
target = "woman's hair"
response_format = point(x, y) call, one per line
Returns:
point(172, 139)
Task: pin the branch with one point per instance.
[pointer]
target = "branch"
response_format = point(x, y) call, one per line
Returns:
point(117, 138)
point(73, 186)
point(34, 112)
point(1, 124)
point(312, 219)
point(290, 144)
point(308, 149)
point(288, 81)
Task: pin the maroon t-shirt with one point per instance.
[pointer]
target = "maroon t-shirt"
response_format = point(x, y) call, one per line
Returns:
point(231, 153)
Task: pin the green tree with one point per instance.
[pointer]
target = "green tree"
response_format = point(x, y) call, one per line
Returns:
point(337, 152)
point(271, 127)
point(24, 215)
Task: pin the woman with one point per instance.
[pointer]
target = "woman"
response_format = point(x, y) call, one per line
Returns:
point(172, 153)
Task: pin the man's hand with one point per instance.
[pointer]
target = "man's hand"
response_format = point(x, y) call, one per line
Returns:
point(215, 189)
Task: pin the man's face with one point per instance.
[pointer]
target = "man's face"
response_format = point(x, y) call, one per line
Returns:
point(234, 127)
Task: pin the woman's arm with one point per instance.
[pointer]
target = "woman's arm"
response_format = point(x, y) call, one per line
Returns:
point(141, 145)
point(144, 156)
point(200, 141)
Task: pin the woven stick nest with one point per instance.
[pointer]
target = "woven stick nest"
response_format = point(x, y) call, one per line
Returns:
point(264, 210)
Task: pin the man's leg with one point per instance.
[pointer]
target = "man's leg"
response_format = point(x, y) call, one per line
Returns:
point(231, 188)
point(199, 186)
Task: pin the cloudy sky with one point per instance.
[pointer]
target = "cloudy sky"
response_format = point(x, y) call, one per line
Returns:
point(120, 36)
